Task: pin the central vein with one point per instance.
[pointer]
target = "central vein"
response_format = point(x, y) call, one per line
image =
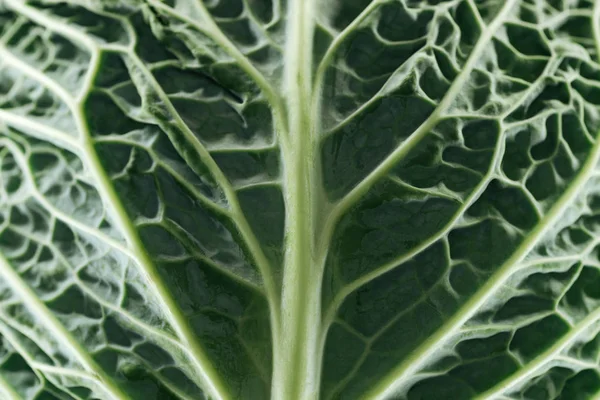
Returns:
point(296, 363)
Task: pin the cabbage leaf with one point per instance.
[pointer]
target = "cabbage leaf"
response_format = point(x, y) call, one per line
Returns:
point(299, 199)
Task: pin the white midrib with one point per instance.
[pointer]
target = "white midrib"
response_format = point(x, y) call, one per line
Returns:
point(299, 348)
point(296, 360)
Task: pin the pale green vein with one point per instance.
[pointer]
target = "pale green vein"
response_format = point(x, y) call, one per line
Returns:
point(6, 389)
point(536, 366)
point(541, 363)
point(40, 131)
point(573, 362)
point(532, 200)
point(210, 28)
point(128, 319)
point(325, 63)
point(202, 364)
point(394, 263)
point(480, 22)
point(8, 335)
point(421, 132)
point(534, 88)
point(251, 184)
point(61, 371)
point(214, 32)
point(56, 212)
point(22, 66)
point(424, 352)
point(6, 330)
point(385, 89)
point(372, 339)
point(251, 15)
point(439, 191)
point(339, 386)
point(542, 261)
point(236, 212)
point(568, 287)
point(301, 305)
point(183, 237)
point(66, 30)
point(202, 198)
point(337, 42)
point(39, 310)
point(479, 331)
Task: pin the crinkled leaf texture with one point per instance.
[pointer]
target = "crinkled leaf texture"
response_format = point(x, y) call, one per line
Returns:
point(299, 199)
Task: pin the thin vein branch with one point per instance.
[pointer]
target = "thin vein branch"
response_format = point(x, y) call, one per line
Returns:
point(55, 327)
point(423, 353)
point(203, 366)
point(56, 212)
point(421, 132)
point(538, 364)
point(40, 131)
point(237, 214)
point(8, 335)
point(339, 39)
point(214, 32)
point(189, 186)
point(388, 266)
point(7, 390)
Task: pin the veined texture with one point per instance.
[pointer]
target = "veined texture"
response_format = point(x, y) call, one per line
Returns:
point(299, 199)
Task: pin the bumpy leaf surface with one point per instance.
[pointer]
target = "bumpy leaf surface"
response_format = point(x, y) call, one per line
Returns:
point(299, 199)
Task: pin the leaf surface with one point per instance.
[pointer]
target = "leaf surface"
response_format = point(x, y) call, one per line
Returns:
point(299, 199)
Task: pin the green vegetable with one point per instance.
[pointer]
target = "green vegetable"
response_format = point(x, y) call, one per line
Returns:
point(299, 199)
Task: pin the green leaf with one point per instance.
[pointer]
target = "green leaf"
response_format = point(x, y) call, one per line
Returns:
point(299, 199)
